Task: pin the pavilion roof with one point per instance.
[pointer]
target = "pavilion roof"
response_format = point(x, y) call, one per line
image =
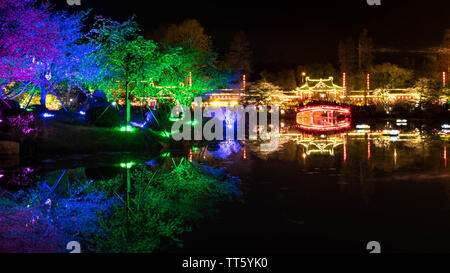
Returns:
point(320, 84)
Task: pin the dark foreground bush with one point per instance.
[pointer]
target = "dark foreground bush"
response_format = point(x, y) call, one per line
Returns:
point(103, 117)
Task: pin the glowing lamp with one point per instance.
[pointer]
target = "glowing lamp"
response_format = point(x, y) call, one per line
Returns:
point(139, 125)
point(127, 128)
point(128, 165)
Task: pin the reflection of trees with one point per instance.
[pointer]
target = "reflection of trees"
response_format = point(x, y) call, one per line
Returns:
point(164, 203)
point(46, 217)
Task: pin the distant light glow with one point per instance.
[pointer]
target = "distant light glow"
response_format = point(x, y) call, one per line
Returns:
point(48, 115)
point(391, 132)
point(362, 126)
point(82, 113)
point(402, 121)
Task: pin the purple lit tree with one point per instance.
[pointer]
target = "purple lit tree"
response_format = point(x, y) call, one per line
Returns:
point(41, 50)
point(26, 34)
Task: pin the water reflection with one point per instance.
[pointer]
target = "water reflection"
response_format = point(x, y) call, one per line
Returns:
point(126, 204)
point(383, 151)
point(126, 207)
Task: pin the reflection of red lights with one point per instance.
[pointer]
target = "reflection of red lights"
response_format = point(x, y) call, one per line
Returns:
point(345, 150)
point(445, 156)
point(324, 128)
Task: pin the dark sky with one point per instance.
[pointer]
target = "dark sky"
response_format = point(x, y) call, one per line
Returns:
point(295, 32)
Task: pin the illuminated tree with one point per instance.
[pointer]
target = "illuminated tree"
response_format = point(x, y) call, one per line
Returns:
point(41, 50)
point(190, 66)
point(130, 59)
point(72, 63)
point(27, 35)
point(188, 73)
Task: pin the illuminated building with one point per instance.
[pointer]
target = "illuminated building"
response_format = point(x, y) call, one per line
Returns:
point(320, 89)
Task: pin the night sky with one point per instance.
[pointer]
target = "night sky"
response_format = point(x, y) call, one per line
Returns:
point(284, 34)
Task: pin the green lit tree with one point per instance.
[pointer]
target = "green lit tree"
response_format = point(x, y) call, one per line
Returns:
point(129, 60)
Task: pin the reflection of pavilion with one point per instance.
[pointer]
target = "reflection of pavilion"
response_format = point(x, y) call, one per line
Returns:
point(320, 145)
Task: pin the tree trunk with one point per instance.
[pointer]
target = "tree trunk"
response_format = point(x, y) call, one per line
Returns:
point(44, 93)
point(128, 104)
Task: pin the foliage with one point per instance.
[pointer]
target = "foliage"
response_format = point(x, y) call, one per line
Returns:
point(444, 52)
point(264, 93)
point(164, 205)
point(390, 76)
point(26, 35)
point(365, 52)
point(238, 58)
point(285, 79)
point(40, 219)
point(189, 33)
point(348, 59)
point(103, 117)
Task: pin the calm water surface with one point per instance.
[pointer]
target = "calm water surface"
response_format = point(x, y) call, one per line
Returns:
point(318, 192)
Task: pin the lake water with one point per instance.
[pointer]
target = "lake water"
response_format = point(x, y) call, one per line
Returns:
point(318, 192)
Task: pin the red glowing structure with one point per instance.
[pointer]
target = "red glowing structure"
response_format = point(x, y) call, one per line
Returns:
point(323, 118)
